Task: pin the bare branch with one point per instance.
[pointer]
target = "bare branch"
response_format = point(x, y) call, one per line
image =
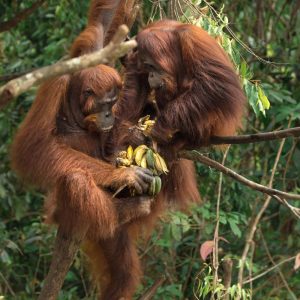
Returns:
point(196, 156)
point(115, 49)
point(278, 270)
point(5, 26)
point(293, 209)
point(254, 138)
point(270, 269)
point(256, 217)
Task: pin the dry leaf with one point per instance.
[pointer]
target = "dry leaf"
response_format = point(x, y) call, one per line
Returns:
point(206, 249)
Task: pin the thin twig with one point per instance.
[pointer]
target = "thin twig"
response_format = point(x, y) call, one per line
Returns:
point(257, 218)
point(269, 270)
point(216, 234)
point(199, 157)
point(115, 49)
point(278, 270)
point(5, 26)
point(254, 138)
point(7, 284)
point(293, 209)
point(251, 264)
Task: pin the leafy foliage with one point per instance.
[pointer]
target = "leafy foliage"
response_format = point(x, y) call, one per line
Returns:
point(173, 250)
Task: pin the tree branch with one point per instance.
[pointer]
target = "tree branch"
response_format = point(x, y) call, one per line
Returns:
point(196, 156)
point(115, 49)
point(7, 77)
point(256, 217)
point(284, 281)
point(227, 275)
point(65, 249)
point(5, 26)
point(254, 138)
point(269, 270)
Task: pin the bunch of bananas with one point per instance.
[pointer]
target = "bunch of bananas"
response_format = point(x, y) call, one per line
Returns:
point(145, 124)
point(144, 157)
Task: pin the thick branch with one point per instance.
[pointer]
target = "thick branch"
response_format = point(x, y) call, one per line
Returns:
point(65, 249)
point(254, 138)
point(115, 49)
point(7, 77)
point(5, 26)
point(196, 156)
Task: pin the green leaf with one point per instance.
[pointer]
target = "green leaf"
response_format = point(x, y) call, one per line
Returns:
point(234, 228)
point(232, 291)
point(176, 232)
point(243, 69)
point(252, 95)
point(263, 98)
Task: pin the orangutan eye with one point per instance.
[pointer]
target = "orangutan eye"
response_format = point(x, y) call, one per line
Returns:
point(88, 93)
point(149, 67)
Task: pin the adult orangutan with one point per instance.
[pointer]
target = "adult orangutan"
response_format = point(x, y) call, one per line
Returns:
point(58, 150)
point(181, 76)
point(197, 95)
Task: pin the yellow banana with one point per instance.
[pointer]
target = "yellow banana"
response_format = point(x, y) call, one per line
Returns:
point(139, 153)
point(149, 122)
point(157, 164)
point(123, 162)
point(129, 153)
point(143, 119)
point(143, 127)
point(122, 154)
point(144, 162)
point(163, 164)
point(138, 148)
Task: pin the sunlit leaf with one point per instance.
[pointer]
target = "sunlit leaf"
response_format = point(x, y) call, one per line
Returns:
point(263, 98)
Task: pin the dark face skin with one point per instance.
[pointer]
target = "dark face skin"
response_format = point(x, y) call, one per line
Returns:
point(155, 74)
point(99, 116)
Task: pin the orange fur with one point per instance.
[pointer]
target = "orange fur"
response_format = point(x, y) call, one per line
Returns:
point(55, 152)
point(201, 96)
